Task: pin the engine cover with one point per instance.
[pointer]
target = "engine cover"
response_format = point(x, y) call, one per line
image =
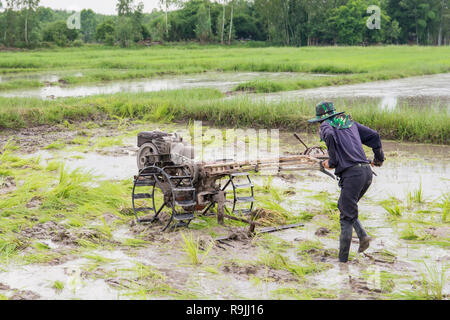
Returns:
point(157, 143)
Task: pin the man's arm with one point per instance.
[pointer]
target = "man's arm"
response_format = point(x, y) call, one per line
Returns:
point(326, 134)
point(371, 138)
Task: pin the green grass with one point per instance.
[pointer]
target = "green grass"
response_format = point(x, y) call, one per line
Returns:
point(395, 210)
point(429, 286)
point(191, 247)
point(58, 285)
point(404, 123)
point(67, 197)
point(415, 197)
point(444, 204)
point(99, 63)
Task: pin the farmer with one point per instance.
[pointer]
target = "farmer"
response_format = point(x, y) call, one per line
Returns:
point(344, 138)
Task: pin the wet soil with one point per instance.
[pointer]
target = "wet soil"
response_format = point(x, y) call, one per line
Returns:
point(232, 269)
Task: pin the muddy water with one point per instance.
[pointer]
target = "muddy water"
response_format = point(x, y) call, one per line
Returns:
point(407, 166)
point(426, 91)
point(42, 77)
point(223, 81)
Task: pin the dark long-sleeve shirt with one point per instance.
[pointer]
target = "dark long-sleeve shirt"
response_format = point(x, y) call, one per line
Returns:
point(345, 145)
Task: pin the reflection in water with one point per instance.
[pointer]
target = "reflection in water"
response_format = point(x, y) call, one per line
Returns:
point(220, 80)
point(42, 77)
point(388, 103)
point(427, 91)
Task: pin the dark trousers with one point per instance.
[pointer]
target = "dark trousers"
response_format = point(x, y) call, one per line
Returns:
point(354, 183)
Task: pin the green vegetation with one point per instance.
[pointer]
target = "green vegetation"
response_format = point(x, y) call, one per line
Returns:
point(204, 104)
point(58, 285)
point(429, 287)
point(191, 247)
point(67, 204)
point(296, 23)
point(395, 210)
point(353, 64)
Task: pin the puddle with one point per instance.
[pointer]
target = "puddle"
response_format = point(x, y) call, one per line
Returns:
point(40, 280)
point(223, 81)
point(426, 91)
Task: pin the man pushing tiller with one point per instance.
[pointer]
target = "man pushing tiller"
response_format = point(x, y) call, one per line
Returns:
point(344, 138)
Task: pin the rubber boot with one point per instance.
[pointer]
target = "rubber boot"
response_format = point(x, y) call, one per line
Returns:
point(345, 240)
point(364, 239)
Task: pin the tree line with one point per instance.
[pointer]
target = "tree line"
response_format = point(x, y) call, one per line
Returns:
point(26, 24)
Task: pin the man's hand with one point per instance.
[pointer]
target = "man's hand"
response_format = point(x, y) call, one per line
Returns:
point(376, 163)
point(325, 164)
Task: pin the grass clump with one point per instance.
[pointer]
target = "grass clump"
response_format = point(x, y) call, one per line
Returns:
point(444, 204)
point(191, 247)
point(58, 285)
point(430, 285)
point(415, 197)
point(56, 145)
point(393, 207)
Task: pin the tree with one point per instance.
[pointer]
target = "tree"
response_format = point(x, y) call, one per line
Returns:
point(124, 31)
point(124, 7)
point(165, 4)
point(58, 33)
point(9, 21)
point(231, 23)
point(348, 22)
point(88, 25)
point(129, 25)
point(223, 22)
point(203, 26)
point(29, 7)
point(106, 31)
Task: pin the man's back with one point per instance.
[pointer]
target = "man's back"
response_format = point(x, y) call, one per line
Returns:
point(345, 145)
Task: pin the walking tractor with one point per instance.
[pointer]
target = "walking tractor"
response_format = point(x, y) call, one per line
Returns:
point(170, 178)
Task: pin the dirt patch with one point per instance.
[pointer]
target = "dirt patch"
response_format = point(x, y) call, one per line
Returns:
point(33, 139)
point(246, 271)
point(322, 232)
point(381, 257)
point(233, 267)
point(4, 287)
point(361, 286)
point(7, 185)
point(34, 203)
point(269, 217)
point(24, 295)
point(289, 192)
point(58, 233)
point(439, 232)
point(44, 230)
point(109, 217)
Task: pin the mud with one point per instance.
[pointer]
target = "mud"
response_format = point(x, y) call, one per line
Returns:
point(231, 269)
point(7, 184)
point(50, 230)
point(322, 231)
